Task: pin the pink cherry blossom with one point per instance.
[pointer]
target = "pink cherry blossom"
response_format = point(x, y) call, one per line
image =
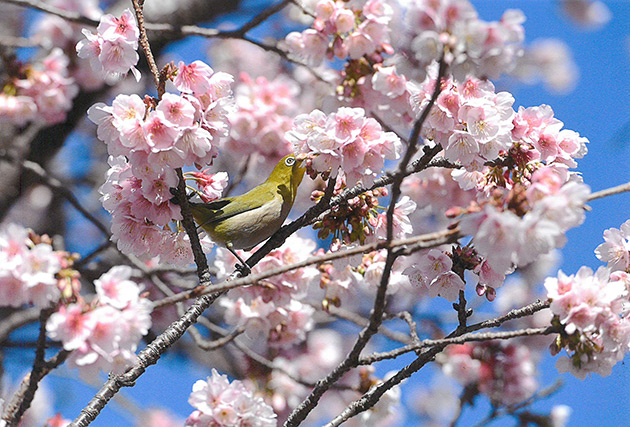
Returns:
point(221, 402)
point(505, 372)
point(71, 326)
point(193, 78)
point(104, 335)
point(111, 27)
point(346, 138)
point(447, 285)
point(616, 247)
point(113, 49)
point(211, 185)
point(593, 308)
point(345, 29)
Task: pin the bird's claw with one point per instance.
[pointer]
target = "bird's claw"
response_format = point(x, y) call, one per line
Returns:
point(243, 269)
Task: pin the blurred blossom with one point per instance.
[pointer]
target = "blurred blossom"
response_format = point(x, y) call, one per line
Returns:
point(592, 14)
point(549, 61)
point(219, 402)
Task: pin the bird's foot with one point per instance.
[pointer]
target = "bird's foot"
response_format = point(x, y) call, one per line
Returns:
point(243, 269)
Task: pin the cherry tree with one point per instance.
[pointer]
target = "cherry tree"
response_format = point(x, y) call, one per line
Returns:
point(424, 237)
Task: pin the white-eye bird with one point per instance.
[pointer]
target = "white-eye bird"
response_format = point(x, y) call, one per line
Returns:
point(242, 222)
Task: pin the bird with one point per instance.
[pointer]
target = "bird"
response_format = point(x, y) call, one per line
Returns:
point(242, 222)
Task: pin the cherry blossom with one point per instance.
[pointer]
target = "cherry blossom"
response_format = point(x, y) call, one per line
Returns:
point(343, 29)
point(46, 91)
point(180, 130)
point(221, 402)
point(104, 335)
point(504, 372)
point(346, 139)
point(264, 112)
point(433, 271)
point(475, 47)
point(616, 247)
point(549, 61)
point(113, 49)
point(592, 309)
point(28, 270)
point(274, 310)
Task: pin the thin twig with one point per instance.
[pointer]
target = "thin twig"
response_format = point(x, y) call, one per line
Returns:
point(23, 397)
point(461, 339)
point(363, 322)
point(299, 414)
point(425, 241)
point(610, 191)
point(144, 43)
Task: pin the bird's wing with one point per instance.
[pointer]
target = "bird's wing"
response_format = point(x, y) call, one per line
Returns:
point(222, 209)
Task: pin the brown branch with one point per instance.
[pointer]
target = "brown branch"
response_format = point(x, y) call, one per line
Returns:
point(256, 20)
point(16, 320)
point(147, 357)
point(144, 43)
point(461, 339)
point(424, 241)
point(528, 310)
point(299, 414)
point(51, 10)
point(23, 397)
point(363, 322)
point(610, 191)
point(62, 189)
point(370, 398)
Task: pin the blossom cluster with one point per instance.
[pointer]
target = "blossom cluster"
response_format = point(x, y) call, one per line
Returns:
point(275, 309)
point(348, 276)
point(616, 248)
point(44, 87)
point(517, 163)
point(506, 237)
point(320, 353)
point(346, 139)
point(31, 272)
point(469, 120)
point(380, 89)
point(344, 29)
point(594, 312)
point(41, 89)
point(550, 61)
point(112, 51)
point(150, 140)
point(352, 220)
point(264, 112)
point(434, 271)
point(505, 372)
point(472, 47)
point(104, 334)
point(219, 402)
point(52, 30)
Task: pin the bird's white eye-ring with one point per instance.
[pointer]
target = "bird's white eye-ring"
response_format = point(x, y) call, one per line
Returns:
point(290, 161)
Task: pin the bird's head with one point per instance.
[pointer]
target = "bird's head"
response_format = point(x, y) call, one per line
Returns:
point(288, 173)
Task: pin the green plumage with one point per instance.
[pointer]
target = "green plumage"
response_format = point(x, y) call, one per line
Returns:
point(241, 222)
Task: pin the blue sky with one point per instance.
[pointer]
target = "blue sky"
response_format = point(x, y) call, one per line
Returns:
point(598, 109)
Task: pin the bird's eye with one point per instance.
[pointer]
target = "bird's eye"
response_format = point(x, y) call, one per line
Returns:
point(290, 161)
